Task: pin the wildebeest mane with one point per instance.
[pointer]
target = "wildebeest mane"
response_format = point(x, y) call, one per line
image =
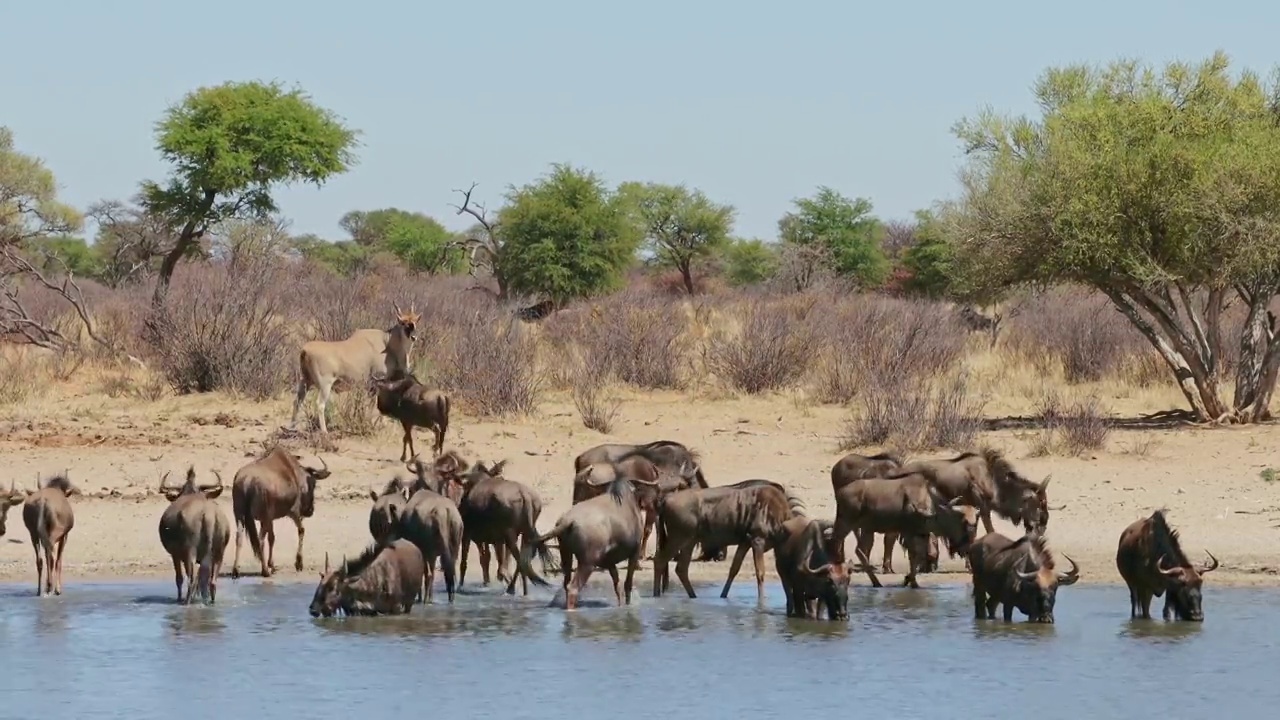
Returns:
point(357, 566)
point(619, 489)
point(1165, 540)
point(393, 485)
point(880, 456)
point(1039, 546)
point(59, 482)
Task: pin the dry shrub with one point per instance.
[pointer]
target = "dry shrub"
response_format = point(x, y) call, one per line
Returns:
point(22, 378)
point(909, 416)
point(225, 327)
point(490, 363)
point(1072, 428)
point(771, 350)
point(596, 404)
point(870, 340)
point(1074, 329)
point(353, 413)
point(636, 337)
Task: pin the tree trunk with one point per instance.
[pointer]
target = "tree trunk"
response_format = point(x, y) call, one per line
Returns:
point(190, 233)
point(1259, 358)
point(1198, 386)
point(686, 274)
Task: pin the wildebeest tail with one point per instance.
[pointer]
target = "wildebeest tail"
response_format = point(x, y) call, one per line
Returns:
point(204, 555)
point(539, 545)
point(245, 523)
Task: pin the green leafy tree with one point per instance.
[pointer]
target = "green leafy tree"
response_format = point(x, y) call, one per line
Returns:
point(845, 229)
point(928, 258)
point(29, 205)
point(1158, 187)
point(565, 235)
point(230, 145)
point(418, 240)
point(681, 226)
point(748, 262)
point(344, 257)
point(65, 252)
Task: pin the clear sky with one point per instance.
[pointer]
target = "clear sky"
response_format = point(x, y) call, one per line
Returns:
point(754, 103)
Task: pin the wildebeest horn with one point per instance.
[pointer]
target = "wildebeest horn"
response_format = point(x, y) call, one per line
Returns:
point(323, 472)
point(1024, 575)
point(1056, 508)
point(589, 479)
point(1171, 571)
point(326, 563)
point(1045, 482)
point(219, 476)
point(956, 502)
point(1071, 575)
point(1207, 568)
point(164, 480)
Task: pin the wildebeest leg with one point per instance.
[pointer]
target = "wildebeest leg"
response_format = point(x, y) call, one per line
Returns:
point(660, 561)
point(649, 518)
point(302, 532)
point(1133, 603)
point(739, 556)
point(566, 566)
point(51, 568)
point(235, 560)
point(617, 584)
point(786, 591)
point(189, 563)
point(500, 561)
point(482, 550)
point(177, 576)
point(890, 539)
point(322, 403)
point(466, 549)
point(267, 541)
point(512, 548)
point(992, 602)
point(683, 558)
point(863, 552)
point(585, 566)
point(438, 447)
point(757, 554)
point(429, 582)
point(62, 544)
point(632, 565)
point(979, 601)
point(1168, 606)
point(406, 443)
point(913, 563)
point(1144, 598)
point(1008, 612)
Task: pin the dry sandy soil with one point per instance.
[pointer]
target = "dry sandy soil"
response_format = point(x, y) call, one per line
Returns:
point(117, 449)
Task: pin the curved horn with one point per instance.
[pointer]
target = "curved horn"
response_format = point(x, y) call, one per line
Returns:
point(326, 562)
point(1057, 508)
point(591, 474)
point(219, 476)
point(323, 472)
point(164, 481)
point(1023, 575)
point(956, 502)
point(1045, 482)
point(1170, 571)
point(1072, 575)
point(647, 483)
point(1207, 568)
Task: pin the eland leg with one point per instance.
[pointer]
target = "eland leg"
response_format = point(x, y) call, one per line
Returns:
point(322, 405)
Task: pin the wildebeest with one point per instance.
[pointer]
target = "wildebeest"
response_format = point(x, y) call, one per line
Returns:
point(195, 532)
point(322, 363)
point(49, 519)
point(597, 533)
point(413, 404)
point(387, 505)
point(383, 580)
point(907, 504)
point(7, 500)
point(536, 311)
point(1151, 561)
point(854, 466)
point(748, 514)
point(495, 511)
point(811, 568)
point(1016, 574)
point(276, 485)
point(595, 478)
point(988, 482)
point(668, 455)
point(432, 522)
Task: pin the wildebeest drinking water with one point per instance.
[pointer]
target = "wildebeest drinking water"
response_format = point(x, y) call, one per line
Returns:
point(811, 568)
point(49, 519)
point(383, 580)
point(276, 485)
point(1152, 563)
point(1017, 574)
point(194, 531)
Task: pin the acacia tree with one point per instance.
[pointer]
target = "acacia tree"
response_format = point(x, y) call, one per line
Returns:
point(230, 145)
point(418, 240)
point(841, 229)
point(680, 225)
point(1158, 187)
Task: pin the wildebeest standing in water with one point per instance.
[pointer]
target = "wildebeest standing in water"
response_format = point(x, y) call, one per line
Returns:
point(748, 514)
point(811, 569)
point(1016, 574)
point(383, 580)
point(195, 532)
point(432, 522)
point(276, 485)
point(596, 477)
point(323, 363)
point(988, 482)
point(49, 518)
point(1151, 561)
point(853, 467)
point(387, 505)
point(597, 533)
point(9, 499)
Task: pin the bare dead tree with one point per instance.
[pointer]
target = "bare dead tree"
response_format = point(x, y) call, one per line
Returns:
point(133, 241)
point(483, 247)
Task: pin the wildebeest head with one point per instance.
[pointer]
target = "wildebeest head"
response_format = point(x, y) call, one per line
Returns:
point(408, 320)
point(1035, 585)
point(833, 577)
point(173, 493)
point(328, 595)
point(957, 523)
point(1034, 503)
point(1183, 584)
point(308, 499)
point(8, 499)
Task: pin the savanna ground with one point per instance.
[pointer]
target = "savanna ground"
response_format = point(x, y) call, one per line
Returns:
point(762, 384)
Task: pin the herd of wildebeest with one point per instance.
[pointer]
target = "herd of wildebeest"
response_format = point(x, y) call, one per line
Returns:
point(621, 495)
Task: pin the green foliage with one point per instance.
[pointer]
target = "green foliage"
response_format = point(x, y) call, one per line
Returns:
point(344, 257)
point(929, 258)
point(681, 226)
point(845, 228)
point(52, 253)
point(418, 240)
point(565, 235)
point(29, 206)
point(748, 262)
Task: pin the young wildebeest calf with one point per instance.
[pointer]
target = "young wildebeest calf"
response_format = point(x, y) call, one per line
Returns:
point(48, 516)
point(600, 532)
point(195, 532)
point(387, 505)
point(414, 405)
point(384, 580)
point(1016, 574)
point(432, 522)
point(1151, 561)
point(811, 569)
point(274, 486)
point(748, 514)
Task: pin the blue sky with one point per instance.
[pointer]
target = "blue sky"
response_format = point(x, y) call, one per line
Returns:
point(756, 104)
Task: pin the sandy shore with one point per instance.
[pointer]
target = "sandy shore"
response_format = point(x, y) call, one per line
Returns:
point(116, 451)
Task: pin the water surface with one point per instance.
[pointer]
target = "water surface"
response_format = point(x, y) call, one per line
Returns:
point(125, 651)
